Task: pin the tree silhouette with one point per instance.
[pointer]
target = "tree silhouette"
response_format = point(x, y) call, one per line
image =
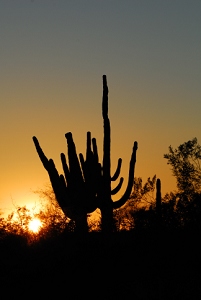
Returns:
point(185, 162)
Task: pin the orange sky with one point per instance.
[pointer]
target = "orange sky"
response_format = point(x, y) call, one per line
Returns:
point(53, 56)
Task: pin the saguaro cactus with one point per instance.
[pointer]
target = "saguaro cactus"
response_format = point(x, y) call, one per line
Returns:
point(158, 196)
point(76, 190)
point(158, 203)
point(106, 204)
point(86, 185)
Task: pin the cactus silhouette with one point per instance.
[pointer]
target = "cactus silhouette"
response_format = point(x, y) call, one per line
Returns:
point(86, 185)
point(106, 204)
point(158, 196)
point(158, 203)
point(76, 190)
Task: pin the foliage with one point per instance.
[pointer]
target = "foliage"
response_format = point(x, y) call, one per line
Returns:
point(185, 161)
point(178, 210)
point(54, 222)
point(141, 201)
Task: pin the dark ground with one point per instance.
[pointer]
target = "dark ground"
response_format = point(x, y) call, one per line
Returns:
point(120, 266)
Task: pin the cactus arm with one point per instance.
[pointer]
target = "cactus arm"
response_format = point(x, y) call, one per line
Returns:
point(57, 182)
point(158, 196)
point(116, 174)
point(89, 166)
point(58, 186)
point(82, 162)
point(118, 187)
point(65, 168)
point(89, 153)
point(124, 198)
point(90, 169)
point(95, 150)
point(48, 165)
point(74, 165)
point(90, 174)
point(41, 154)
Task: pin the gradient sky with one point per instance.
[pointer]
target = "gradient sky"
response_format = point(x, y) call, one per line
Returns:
point(52, 58)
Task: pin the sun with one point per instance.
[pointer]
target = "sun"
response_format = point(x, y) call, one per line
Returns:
point(35, 225)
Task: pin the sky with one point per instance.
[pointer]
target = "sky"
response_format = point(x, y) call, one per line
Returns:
point(52, 58)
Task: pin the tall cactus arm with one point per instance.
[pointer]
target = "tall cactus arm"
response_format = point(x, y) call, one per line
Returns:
point(74, 165)
point(41, 154)
point(124, 198)
point(158, 195)
point(82, 162)
point(58, 187)
point(91, 169)
point(117, 172)
point(95, 150)
point(65, 168)
point(87, 165)
point(89, 152)
point(48, 165)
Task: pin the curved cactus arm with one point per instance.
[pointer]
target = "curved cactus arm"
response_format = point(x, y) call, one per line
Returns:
point(118, 187)
point(124, 198)
point(117, 173)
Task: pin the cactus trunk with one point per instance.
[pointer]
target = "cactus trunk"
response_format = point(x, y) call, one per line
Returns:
point(106, 203)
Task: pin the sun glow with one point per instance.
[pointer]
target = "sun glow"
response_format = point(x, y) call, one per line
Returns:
point(35, 225)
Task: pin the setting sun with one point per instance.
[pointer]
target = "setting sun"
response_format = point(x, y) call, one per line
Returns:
point(35, 225)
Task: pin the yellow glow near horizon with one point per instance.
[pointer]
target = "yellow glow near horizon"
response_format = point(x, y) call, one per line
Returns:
point(35, 225)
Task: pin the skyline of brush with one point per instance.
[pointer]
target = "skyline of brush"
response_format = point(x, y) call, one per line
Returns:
point(53, 56)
